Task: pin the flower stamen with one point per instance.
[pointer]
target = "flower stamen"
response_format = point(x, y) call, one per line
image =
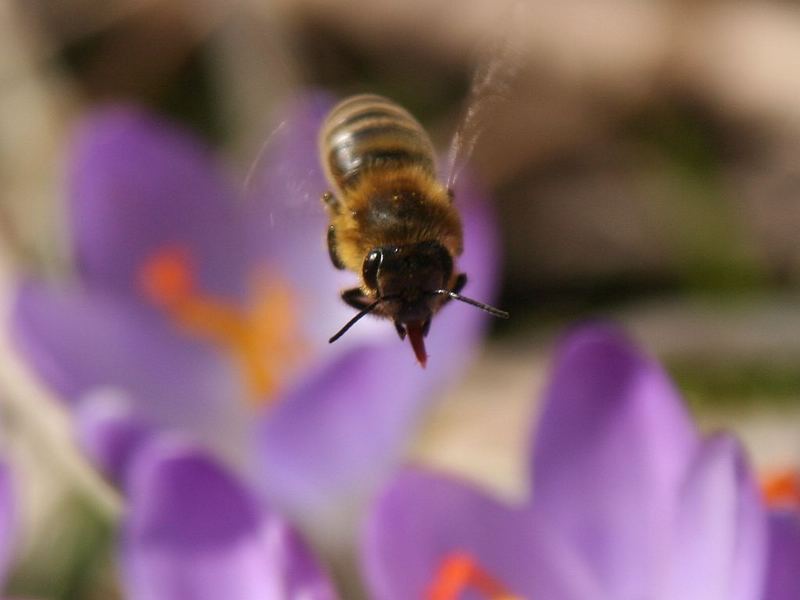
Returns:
point(261, 336)
point(167, 277)
point(459, 572)
point(782, 489)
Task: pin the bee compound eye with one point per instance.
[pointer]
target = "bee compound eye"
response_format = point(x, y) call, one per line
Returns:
point(370, 269)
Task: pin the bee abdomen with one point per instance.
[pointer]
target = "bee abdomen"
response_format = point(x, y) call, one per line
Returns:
point(368, 132)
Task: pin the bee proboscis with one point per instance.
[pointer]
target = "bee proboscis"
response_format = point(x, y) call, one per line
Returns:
point(391, 220)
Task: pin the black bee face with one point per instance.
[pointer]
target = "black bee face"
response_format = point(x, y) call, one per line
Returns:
point(407, 277)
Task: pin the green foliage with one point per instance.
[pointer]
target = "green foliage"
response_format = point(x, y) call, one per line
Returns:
point(737, 385)
point(74, 561)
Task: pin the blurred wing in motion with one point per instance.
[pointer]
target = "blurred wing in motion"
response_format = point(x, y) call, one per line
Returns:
point(285, 176)
point(286, 220)
point(259, 161)
point(491, 88)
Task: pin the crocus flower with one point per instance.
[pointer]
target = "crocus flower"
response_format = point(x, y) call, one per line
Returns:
point(190, 529)
point(214, 311)
point(626, 501)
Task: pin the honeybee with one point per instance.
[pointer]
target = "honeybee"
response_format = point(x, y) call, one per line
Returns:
point(391, 220)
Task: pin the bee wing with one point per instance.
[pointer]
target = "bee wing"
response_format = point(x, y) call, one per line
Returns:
point(262, 158)
point(286, 219)
point(490, 90)
point(285, 174)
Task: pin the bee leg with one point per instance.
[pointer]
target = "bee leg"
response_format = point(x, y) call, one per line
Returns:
point(426, 327)
point(451, 194)
point(356, 298)
point(400, 330)
point(337, 262)
point(461, 281)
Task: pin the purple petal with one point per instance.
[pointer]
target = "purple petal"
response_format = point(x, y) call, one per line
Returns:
point(720, 532)
point(7, 519)
point(140, 185)
point(193, 532)
point(422, 518)
point(77, 341)
point(611, 450)
point(328, 439)
point(783, 558)
point(109, 432)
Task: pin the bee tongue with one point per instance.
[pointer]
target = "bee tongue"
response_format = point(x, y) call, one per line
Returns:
point(416, 337)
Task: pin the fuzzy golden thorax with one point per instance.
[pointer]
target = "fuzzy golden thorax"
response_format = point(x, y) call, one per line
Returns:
point(394, 207)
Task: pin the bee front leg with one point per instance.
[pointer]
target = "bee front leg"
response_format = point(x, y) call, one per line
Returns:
point(461, 281)
point(356, 298)
point(337, 262)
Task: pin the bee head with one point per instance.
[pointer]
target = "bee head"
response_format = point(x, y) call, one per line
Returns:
point(410, 283)
point(404, 276)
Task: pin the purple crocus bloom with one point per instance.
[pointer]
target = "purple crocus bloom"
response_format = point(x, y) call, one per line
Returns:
point(191, 530)
point(627, 501)
point(213, 311)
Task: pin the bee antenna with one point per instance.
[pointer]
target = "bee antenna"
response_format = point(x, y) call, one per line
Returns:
point(365, 311)
point(484, 307)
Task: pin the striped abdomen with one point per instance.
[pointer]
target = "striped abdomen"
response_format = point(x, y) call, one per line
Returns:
point(369, 132)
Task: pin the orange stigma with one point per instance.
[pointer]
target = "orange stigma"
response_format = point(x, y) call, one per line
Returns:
point(261, 336)
point(459, 572)
point(782, 489)
point(168, 277)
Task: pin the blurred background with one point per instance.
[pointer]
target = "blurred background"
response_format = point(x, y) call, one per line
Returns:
point(645, 166)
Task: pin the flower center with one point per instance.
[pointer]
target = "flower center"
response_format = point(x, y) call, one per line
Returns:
point(782, 489)
point(459, 572)
point(261, 336)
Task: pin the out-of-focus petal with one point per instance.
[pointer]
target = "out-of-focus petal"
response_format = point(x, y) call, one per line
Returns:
point(7, 519)
point(192, 532)
point(719, 541)
point(783, 558)
point(138, 185)
point(110, 432)
point(329, 438)
point(423, 518)
point(77, 341)
point(612, 447)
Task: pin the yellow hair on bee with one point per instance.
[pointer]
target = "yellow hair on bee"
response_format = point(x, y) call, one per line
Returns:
point(398, 207)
